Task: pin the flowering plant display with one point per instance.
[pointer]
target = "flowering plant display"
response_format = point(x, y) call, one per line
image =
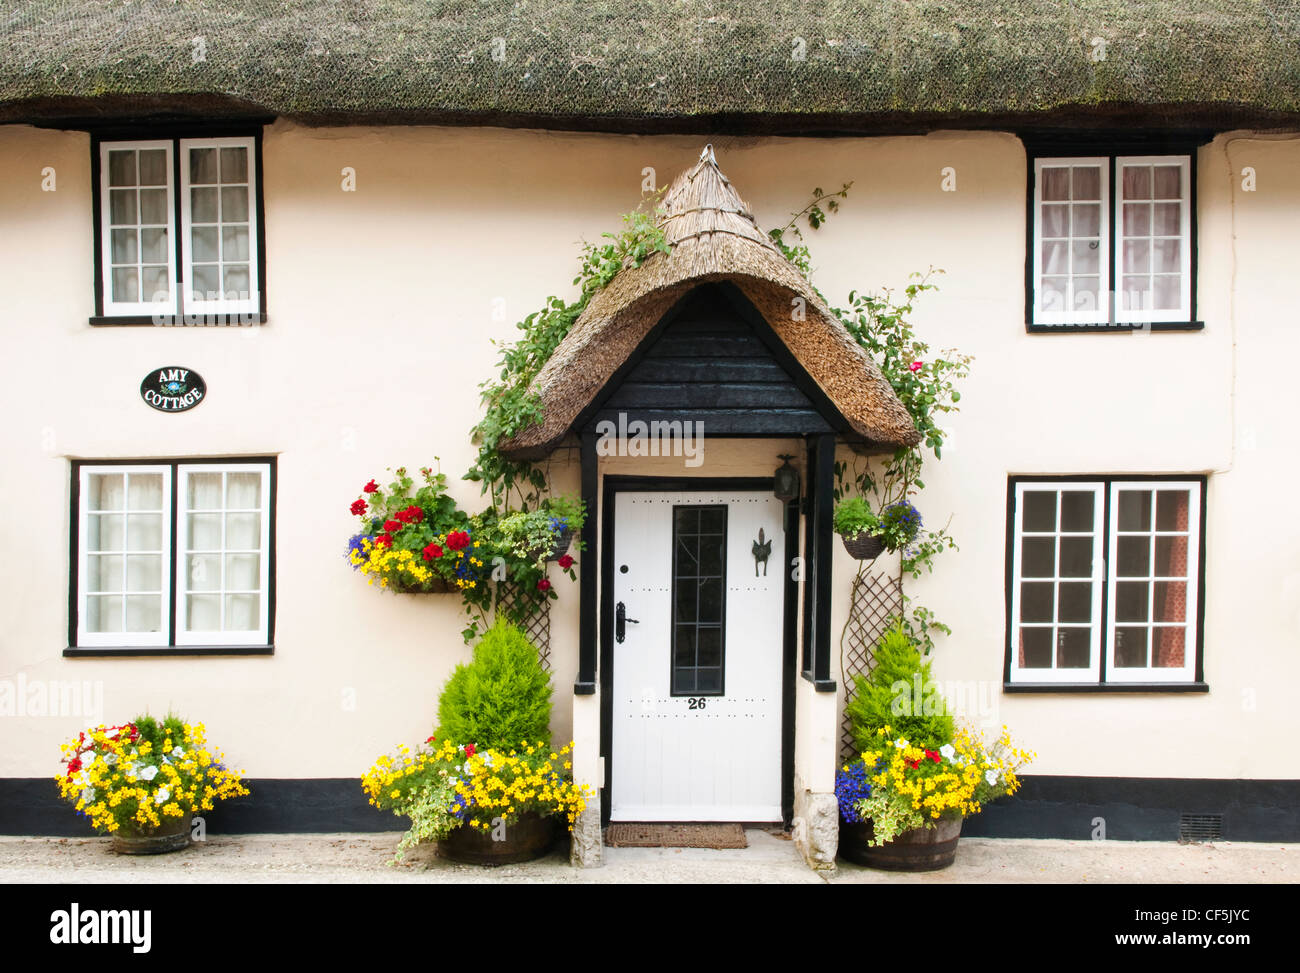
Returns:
point(897, 524)
point(910, 786)
point(444, 786)
point(416, 539)
point(129, 779)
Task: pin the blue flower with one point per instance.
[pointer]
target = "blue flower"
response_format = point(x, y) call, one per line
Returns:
point(851, 786)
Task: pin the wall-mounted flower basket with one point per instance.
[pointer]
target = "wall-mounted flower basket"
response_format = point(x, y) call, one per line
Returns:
point(563, 538)
point(863, 546)
point(434, 586)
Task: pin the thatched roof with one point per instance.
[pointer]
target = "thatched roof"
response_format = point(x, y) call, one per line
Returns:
point(713, 237)
point(720, 66)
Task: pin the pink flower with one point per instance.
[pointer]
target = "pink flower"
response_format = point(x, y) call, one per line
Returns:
point(915, 366)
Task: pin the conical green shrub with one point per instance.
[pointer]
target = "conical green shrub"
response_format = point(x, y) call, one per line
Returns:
point(899, 693)
point(502, 698)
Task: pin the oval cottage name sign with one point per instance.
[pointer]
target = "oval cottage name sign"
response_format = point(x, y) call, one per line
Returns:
point(173, 389)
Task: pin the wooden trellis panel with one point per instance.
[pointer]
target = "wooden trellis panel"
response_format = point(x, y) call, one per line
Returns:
point(537, 626)
point(876, 599)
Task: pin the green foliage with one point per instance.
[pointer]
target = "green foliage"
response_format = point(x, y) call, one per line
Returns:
point(568, 508)
point(157, 732)
point(853, 516)
point(502, 698)
point(510, 405)
point(900, 694)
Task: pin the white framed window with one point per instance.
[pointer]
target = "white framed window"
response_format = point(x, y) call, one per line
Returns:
point(179, 227)
point(1071, 234)
point(173, 554)
point(137, 228)
point(1104, 581)
point(1112, 239)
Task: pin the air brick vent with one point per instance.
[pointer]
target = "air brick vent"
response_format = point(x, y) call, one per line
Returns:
point(1200, 827)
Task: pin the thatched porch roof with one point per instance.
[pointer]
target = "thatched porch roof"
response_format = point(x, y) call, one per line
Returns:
point(713, 237)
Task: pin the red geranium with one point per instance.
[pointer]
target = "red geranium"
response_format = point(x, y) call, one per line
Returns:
point(392, 526)
point(431, 552)
point(430, 740)
point(933, 756)
point(469, 750)
point(458, 540)
point(358, 507)
point(544, 585)
point(565, 562)
point(370, 487)
point(912, 763)
point(411, 515)
point(384, 540)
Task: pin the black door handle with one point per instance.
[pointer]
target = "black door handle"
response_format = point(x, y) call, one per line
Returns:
point(620, 622)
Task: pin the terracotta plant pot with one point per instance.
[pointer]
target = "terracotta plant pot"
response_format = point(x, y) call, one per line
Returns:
point(918, 850)
point(529, 838)
point(863, 546)
point(172, 835)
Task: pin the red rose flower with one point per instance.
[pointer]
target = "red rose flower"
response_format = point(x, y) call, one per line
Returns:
point(544, 585)
point(469, 750)
point(565, 562)
point(384, 540)
point(358, 507)
point(392, 526)
point(370, 487)
point(431, 552)
point(915, 366)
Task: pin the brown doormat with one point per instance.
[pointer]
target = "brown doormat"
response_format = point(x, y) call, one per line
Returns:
point(625, 835)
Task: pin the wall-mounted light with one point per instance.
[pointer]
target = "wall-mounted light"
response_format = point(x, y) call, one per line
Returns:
point(785, 480)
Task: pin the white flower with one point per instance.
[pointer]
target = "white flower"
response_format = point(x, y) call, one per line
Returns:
point(161, 796)
point(88, 795)
point(149, 773)
point(901, 744)
point(129, 769)
point(991, 776)
point(948, 751)
point(177, 752)
point(110, 758)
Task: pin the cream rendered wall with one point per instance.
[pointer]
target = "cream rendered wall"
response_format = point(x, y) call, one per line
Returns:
point(381, 307)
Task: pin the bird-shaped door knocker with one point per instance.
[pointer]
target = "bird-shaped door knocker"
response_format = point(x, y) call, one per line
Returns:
point(762, 551)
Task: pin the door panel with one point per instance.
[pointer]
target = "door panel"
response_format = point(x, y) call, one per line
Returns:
point(713, 751)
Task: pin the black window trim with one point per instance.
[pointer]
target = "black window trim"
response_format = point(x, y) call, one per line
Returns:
point(74, 650)
point(174, 133)
point(1198, 684)
point(1058, 145)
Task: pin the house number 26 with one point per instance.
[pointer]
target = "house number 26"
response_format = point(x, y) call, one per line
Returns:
point(693, 702)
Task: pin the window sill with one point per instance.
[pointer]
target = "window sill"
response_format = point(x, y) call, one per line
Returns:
point(1109, 687)
point(1125, 328)
point(169, 321)
point(819, 685)
point(104, 651)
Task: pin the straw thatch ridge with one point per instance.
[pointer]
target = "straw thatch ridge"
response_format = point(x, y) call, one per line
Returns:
point(638, 65)
point(713, 237)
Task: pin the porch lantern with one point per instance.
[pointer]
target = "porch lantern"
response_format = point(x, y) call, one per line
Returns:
point(785, 480)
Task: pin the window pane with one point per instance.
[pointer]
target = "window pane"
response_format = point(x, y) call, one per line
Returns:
point(203, 572)
point(243, 572)
point(105, 532)
point(242, 613)
point(1087, 220)
point(1038, 557)
point(244, 532)
point(684, 646)
point(1077, 508)
point(203, 613)
point(1170, 601)
point(125, 247)
point(204, 242)
point(1171, 557)
point(1137, 293)
point(1056, 182)
point(1056, 257)
point(1037, 601)
point(1137, 256)
point(1073, 648)
point(1036, 648)
point(126, 284)
point(203, 205)
point(1168, 182)
point(203, 165)
point(153, 245)
point(153, 167)
point(1053, 293)
point(1168, 219)
point(1055, 220)
point(1087, 293)
point(1167, 256)
point(145, 491)
point(1086, 257)
point(104, 613)
point(122, 207)
point(235, 281)
point(1137, 219)
point(234, 164)
point(1039, 510)
point(106, 491)
point(1167, 293)
point(1137, 182)
point(1087, 182)
point(104, 572)
point(204, 532)
point(1076, 557)
point(203, 491)
point(144, 572)
point(710, 647)
point(234, 204)
point(143, 613)
point(144, 532)
point(1169, 646)
point(1171, 509)
point(1131, 598)
point(1133, 557)
point(1075, 602)
point(234, 243)
point(1134, 509)
point(206, 284)
point(1131, 648)
point(121, 167)
point(153, 206)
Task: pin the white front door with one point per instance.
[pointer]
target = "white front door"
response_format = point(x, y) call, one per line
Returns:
point(696, 730)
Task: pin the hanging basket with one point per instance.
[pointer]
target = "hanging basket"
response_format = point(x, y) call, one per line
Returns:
point(435, 586)
point(918, 850)
point(863, 546)
point(562, 540)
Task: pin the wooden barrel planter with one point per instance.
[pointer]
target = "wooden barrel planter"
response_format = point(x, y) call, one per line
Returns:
point(172, 835)
point(863, 546)
point(918, 850)
point(527, 839)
